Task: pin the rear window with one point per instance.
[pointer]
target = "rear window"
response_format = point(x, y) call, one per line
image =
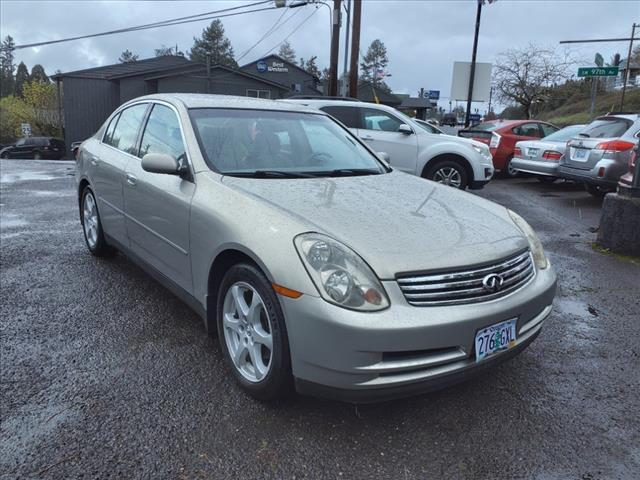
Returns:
point(607, 128)
point(488, 127)
point(565, 134)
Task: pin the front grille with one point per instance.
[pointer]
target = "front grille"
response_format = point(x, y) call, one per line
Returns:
point(459, 287)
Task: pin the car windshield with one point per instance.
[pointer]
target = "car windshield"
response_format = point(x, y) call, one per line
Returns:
point(280, 144)
point(428, 127)
point(564, 134)
point(607, 128)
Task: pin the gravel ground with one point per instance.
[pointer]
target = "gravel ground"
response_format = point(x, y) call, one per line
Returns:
point(106, 374)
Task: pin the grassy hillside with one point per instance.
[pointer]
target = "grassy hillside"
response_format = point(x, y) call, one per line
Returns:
point(577, 111)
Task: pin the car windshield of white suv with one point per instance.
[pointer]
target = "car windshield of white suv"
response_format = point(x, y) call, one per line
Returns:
point(263, 143)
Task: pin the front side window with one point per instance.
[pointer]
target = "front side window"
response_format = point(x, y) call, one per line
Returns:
point(20, 142)
point(162, 134)
point(235, 141)
point(379, 120)
point(125, 134)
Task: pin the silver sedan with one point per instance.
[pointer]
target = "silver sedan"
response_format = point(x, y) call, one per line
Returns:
point(542, 157)
point(318, 266)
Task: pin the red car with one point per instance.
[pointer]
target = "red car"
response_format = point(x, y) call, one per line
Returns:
point(502, 136)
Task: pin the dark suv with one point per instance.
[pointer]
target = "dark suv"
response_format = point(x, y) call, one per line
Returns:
point(35, 148)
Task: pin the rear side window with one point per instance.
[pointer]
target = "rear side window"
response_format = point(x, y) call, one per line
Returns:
point(162, 134)
point(350, 116)
point(607, 128)
point(527, 130)
point(108, 136)
point(125, 134)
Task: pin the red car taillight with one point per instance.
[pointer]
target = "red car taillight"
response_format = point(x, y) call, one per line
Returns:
point(615, 146)
point(551, 155)
point(517, 152)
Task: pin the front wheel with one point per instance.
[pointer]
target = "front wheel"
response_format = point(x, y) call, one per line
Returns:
point(448, 172)
point(4, 155)
point(253, 334)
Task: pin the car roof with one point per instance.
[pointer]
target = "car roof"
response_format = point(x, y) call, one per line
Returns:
point(317, 103)
point(199, 100)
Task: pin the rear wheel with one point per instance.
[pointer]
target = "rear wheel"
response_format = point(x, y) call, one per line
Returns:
point(253, 334)
point(597, 191)
point(508, 171)
point(37, 156)
point(92, 227)
point(448, 172)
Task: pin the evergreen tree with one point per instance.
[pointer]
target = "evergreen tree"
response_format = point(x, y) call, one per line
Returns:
point(374, 65)
point(22, 77)
point(287, 52)
point(7, 81)
point(38, 74)
point(128, 57)
point(312, 67)
point(215, 44)
point(168, 52)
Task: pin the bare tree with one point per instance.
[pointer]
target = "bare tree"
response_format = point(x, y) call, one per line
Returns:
point(525, 76)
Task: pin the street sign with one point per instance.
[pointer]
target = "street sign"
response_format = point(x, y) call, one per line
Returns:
point(598, 72)
point(26, 129)
point(474, 117)
point(434, 95)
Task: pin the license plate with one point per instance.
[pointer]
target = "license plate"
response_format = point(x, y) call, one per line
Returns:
point(494, 338)
point(533, 152)
point(580, 154)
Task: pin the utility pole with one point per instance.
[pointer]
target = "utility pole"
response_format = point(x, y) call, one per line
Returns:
point(335, 49)
point(473, 64)
point(355, 49)
point(626, 74)
point(346, 50)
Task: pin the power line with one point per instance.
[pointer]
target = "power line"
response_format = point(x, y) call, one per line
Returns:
point(165, 23)
point(292, 32)
point(277, 25)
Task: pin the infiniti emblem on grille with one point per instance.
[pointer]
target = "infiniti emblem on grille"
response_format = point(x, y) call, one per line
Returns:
point(492, 283)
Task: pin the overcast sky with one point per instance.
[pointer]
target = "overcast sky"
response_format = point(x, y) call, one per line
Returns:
point(423, 38)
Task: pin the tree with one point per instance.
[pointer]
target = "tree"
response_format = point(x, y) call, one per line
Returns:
point(287, 52)
point(22, 77)
point(168, 52)
point(38, 74)
point(215, 44)
point(374, 65)
point(7, 67)
point(128, 57)
point(311, 66)
point(526, 76)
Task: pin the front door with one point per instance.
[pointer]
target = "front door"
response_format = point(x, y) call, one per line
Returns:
point(380, 130)
point(157, 206)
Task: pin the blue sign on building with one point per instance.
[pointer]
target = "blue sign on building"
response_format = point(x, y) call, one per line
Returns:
point(262, 66)
point(434, 94)
point(474, 117)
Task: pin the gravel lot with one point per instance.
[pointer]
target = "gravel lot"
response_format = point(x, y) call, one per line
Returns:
point(106, 374)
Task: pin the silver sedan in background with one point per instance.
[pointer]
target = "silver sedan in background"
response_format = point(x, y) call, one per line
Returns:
point(318, 266)
point(542, 157)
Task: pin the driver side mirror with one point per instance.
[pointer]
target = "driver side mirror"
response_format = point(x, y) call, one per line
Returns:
point(406, 129)
point(161, 163)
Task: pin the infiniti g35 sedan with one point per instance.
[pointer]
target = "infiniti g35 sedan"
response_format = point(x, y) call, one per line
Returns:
point(319, 267)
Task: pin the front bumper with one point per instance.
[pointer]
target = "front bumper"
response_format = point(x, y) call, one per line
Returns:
point(536, 167)
point(403, 350)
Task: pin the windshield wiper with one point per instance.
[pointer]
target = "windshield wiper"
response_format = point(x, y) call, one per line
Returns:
point(348, 172)
point(269, 174)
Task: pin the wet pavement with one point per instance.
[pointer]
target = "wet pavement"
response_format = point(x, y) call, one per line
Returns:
point(106, 374)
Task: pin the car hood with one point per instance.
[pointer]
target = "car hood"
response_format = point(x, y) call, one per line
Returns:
point(396, 222)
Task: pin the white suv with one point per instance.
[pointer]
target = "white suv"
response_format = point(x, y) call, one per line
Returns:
point(455, 161)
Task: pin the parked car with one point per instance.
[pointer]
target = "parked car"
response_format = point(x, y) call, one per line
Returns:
point(429, 127)
point(447, 159)
point(502, 136)
point(449, 119)
point(627, 183)
point(37, 148)
point(542, 157)
point(600, 154)
point(318, 265)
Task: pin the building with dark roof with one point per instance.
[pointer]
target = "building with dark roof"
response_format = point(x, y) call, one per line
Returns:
point(91, 95)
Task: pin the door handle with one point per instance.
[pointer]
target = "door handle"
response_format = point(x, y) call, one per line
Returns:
point(94, 161)
point(131, 180)
point(367, 138)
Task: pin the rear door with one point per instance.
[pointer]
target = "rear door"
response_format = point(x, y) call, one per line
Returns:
point(107, 166)
point(582, 153)
point(380, 130)
point(157, 206)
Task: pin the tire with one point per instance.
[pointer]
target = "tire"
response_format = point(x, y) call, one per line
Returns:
point(546, 179)
point(508, 172)
point(448, 172)
point(4, 155)
point(37, 156)
point(246, 334)
point(92, 226)
point(596, 191)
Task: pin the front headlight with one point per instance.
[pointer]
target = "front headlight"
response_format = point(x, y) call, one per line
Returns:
point(537, 251)
point(340, 275)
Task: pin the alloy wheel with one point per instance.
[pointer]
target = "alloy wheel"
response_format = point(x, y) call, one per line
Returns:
point(247, 331)
point(90, 220)
point(448, 176)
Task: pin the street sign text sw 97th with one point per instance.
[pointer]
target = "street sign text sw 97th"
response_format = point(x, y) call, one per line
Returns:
point(598, 72)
